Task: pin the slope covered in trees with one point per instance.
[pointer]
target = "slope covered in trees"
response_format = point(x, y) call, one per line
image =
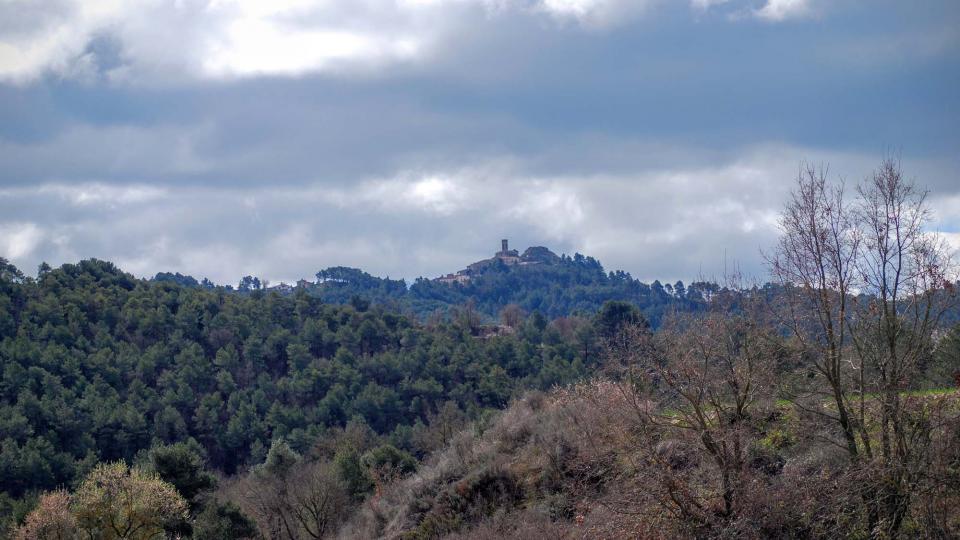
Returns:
point(567, 286)
point(557, 286)
point(99, 366)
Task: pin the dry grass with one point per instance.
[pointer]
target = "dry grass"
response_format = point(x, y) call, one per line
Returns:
point(578, 463)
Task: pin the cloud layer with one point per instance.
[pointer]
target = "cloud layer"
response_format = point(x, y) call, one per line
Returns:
point(661, 223)
point(135, 40)
point(226, 137)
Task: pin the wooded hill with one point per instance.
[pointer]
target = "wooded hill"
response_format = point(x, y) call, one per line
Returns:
point(558, 286)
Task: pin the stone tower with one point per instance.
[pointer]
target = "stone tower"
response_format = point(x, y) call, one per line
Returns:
point(503, 244)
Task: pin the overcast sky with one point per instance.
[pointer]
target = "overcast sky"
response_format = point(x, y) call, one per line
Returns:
point(222, 138)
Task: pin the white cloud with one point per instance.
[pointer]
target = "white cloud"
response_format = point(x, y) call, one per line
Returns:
point(53, 37)
point(781, 10)
point(596, 13)
point(437, 193)
point(160, 41)
point(19, 240)
point(434, 194)
point(220, 38)
point(100, 194)
point(770, 10)
point(553, 206)
point(953, 239)
point(703, 5)
point(664, 221)
point(273, 37)
point(947, 220)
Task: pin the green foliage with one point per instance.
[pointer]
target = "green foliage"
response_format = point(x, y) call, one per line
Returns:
point(14, 511)
point(99, 366)
point(223, 521)
point(178, 278)
point(387, 457)
point(555, 286)
point(615, 315)
point(353, 473)
point(280, 459)
point(182, 465)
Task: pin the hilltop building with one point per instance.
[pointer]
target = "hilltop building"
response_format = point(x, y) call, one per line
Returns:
point(507, 256)
point(459, 277)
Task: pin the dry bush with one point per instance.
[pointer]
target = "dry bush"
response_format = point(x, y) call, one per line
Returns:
point(519, 526)
point(306, 500)
point(50, 520)
point(520, 458)
point(582, 462)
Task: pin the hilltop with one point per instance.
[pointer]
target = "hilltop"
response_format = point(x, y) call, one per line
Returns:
point(507, 257)
point(536, 280)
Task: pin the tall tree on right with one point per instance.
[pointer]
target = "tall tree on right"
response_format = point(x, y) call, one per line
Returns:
point(867, 284)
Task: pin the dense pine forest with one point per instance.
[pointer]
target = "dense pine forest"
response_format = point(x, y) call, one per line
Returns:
point(99, 366)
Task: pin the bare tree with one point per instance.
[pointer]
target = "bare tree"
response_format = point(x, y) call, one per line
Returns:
point(468, 317)
point(905, 286)
point(815, 262)
point(695, 387)
point(319, 499)
point(718, 369)
point(441, 427)
point(867, 285)
point(293, 498)
point(511, 315)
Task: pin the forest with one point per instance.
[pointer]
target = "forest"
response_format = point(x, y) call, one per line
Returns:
point(561, 286)
point(99, 366)
point(559, 401)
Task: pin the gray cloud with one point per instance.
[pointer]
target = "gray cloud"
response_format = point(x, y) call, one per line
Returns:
point(139, 41)
point(666, 223)
point(659, 136)
point(242, 38)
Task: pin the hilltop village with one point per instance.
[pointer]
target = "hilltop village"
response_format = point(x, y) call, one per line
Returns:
point(510, 257)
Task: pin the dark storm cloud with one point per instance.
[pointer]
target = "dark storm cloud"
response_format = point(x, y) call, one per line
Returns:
point(660, 137)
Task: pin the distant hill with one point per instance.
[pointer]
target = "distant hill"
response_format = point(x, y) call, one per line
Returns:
point(536, 280)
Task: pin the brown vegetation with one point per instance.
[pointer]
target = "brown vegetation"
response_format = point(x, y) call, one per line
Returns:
point(113, 501)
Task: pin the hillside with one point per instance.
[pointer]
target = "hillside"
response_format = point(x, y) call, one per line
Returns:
point(356, 421)
point(535, 280)
point(100, 366)
point(584, 462)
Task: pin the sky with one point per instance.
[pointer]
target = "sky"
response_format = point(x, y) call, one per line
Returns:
point(224, 138)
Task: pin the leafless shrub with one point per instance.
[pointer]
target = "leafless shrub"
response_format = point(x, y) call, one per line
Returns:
point(308, 500)
point(518, 526)
point(867, 285)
